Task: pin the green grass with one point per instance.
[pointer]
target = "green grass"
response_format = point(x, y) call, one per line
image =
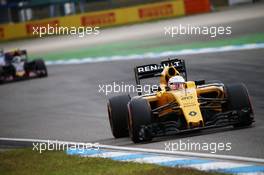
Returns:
point(27, 162)
point(144, 46)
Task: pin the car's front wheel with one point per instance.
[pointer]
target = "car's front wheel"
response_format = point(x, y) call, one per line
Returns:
point(238, 99)
point(40, 68)
point(139, 116)
point(118, 114)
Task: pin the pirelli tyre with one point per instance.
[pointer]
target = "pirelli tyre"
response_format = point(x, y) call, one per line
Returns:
point(118, 115)
point(40, 68)
point(139, 117)
point(238, 99)
point(37, 67)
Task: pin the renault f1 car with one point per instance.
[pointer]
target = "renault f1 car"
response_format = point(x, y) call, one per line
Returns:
point(15, 66)
point(200, 105)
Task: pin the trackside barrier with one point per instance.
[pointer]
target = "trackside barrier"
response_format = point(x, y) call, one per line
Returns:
point(108, 18)
point(197, 6)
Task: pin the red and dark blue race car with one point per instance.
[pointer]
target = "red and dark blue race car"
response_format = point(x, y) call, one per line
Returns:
point(14, 65)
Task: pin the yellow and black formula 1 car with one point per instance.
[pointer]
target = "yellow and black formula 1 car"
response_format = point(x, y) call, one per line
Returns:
point(199, 105)
point(14, 66)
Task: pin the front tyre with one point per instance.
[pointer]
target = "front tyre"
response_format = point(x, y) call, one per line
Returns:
point(238, 99)
point(139, 117)
point(40, 68)
point(118, 114)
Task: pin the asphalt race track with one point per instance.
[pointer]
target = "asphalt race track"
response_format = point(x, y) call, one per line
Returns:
point(68, 105)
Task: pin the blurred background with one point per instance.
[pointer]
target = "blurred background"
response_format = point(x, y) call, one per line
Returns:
point(119, 22)
point(15, 11)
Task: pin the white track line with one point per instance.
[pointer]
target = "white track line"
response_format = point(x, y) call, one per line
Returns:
point(256, 173)
point(146, 150)
point(216, 165)
point(156, 159)
point(191, 154)
point(109, 154)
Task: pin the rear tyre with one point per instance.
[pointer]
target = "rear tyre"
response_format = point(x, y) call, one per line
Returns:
point(238, 99)
point(139, 115)
point(118, 114)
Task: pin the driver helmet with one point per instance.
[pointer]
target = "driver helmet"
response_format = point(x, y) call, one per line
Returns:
point(17, 59)
point(176, 83)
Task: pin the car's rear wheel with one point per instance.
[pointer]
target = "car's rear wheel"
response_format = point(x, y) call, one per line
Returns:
point(118, 114)
point(238, 99)
point(139, 115)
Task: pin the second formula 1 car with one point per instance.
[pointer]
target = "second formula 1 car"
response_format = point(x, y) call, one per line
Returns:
point(14, 65)
point(178, 105)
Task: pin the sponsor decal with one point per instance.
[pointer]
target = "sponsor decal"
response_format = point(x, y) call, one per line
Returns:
point(189, 105)
point(2, 32)
point(155, 11)
point(187, 98)
point(99, 19)
point(188, 101)
point(156, 67)
point(35, 27)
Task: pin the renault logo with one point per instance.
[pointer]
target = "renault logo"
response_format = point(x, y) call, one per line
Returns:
point(192, 113)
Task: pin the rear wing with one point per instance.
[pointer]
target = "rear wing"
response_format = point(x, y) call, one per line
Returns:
point(154, 70)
